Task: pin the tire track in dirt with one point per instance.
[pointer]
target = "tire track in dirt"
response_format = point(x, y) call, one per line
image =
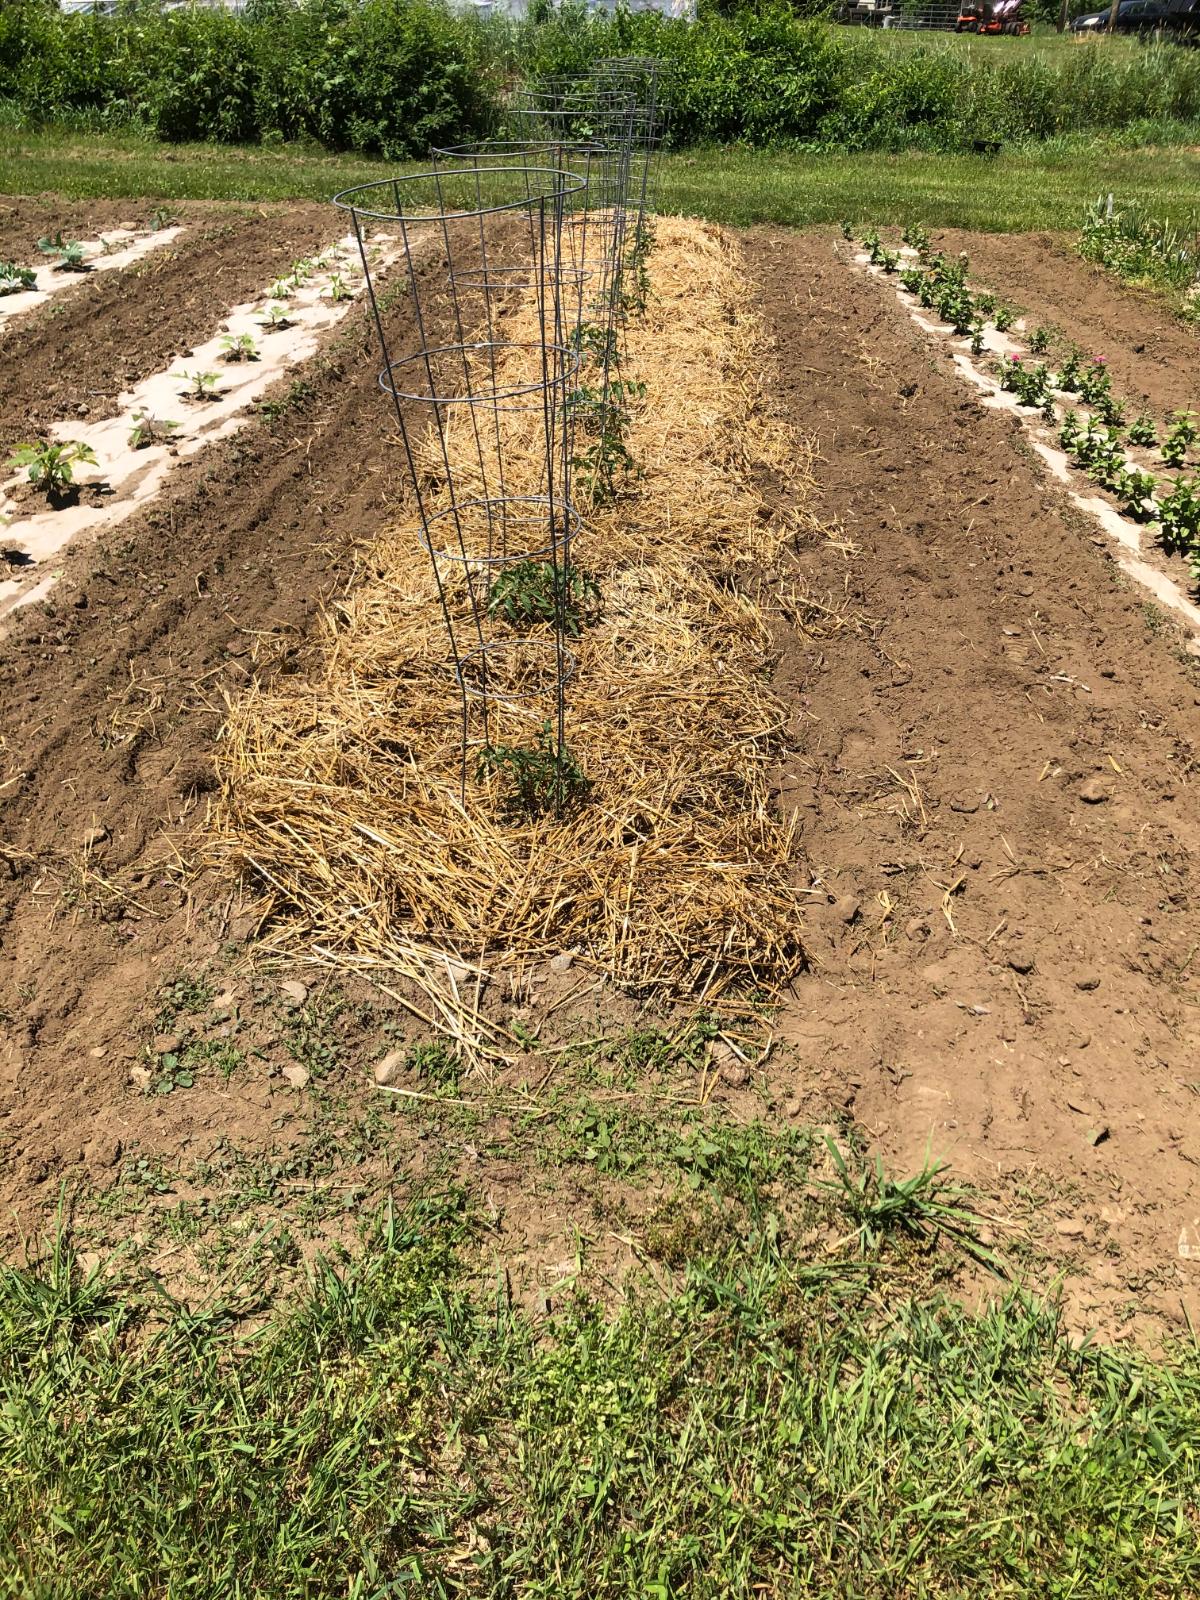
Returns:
point(998, 806)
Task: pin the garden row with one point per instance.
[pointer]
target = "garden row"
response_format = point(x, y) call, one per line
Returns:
point(395, 76)
point(50, 466)
point(1075, 397)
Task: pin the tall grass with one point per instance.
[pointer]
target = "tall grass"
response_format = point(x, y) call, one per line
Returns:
point(391, 76)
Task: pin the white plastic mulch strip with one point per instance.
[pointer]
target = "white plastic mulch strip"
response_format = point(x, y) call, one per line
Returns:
point(129, 474)
point(1129, 537)
point(120, 248)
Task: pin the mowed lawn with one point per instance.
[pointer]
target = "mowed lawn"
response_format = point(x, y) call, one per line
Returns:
point(1022, 188)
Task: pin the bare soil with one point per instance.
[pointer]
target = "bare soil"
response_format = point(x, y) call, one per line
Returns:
point(76, 354)
point(1153, 356)
point(995, 773)
point(997, 791)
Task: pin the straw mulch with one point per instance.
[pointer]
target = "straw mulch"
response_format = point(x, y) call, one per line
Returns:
point(341, 798)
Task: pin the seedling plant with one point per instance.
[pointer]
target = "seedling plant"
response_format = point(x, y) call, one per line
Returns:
point(202, 385)
point(1180, 435)
point(51, 466)
point(1031, 385)
point(14, 279)
point(530, 592)
point(67, 252)
point(1179, 522)
point(1143, 432)
point(543, 779)
point(147, 429)
point(239, 347)
point(275, 319)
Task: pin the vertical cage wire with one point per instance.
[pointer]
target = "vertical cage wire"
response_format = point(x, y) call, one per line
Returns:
point(483, 414)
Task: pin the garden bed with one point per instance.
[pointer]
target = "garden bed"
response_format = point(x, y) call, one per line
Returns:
point(1000, 961)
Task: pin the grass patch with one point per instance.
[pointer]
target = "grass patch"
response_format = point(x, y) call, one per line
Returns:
point(405, 1429)
point(1022, 188)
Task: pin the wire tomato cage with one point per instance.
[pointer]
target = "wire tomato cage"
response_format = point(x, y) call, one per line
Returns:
point(504, 331)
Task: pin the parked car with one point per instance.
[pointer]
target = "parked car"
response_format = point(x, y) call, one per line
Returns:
point(1178, 18)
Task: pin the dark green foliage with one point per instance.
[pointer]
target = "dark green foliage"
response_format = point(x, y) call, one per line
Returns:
point(542, 778)
point(527, 593)
point(391, 77)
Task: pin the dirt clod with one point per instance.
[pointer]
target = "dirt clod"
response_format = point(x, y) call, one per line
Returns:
point(1094, 792)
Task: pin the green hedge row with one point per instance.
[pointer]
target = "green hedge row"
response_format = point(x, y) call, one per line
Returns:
point(392, 76)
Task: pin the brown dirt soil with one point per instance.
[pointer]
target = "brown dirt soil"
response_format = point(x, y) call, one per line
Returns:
point(997, 795)
point(112, 699)
point(1154, 358)
point(76, 354)
point(1005, 969)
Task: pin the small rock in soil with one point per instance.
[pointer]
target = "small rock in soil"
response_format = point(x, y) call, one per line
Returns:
point(390, 1068)
point(917, 928)
point(1020, 960)
point(1093, 792)
point(98, 1052)
point(562, 963)
point(95, 836)
point(295, 991)
point(847, 908)
point(166, 1042)
point(296, 1076)
point(1087, 982)
point(1070, 1227)
point(967, 804)
point(139, 1077)
point(1097, 1135)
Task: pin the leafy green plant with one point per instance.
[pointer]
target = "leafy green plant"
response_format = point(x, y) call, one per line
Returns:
point(162, 217)
point(148, 429)
point(1069, 373)
point(847, 230)
point(1069, 432)
point(1039, 341)
point(281, 289)
point(275, 318)
point(911, 278)
point(872, 244)
point(530, 592)
point(1179, 521)
point(977, 338)
point(50, 466)
point(239, 347)
point(889, 260)
point(986, 304)
point(1137, 490)
point(338, 289)
point(67, 252)
point(1004, 319)
point(916, 238)
point(1030, 384)
point(14, 279)
point(1095, 383)
point(543, 778)
point(202, 385)
point(1142, 431)
point(1180, 435)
